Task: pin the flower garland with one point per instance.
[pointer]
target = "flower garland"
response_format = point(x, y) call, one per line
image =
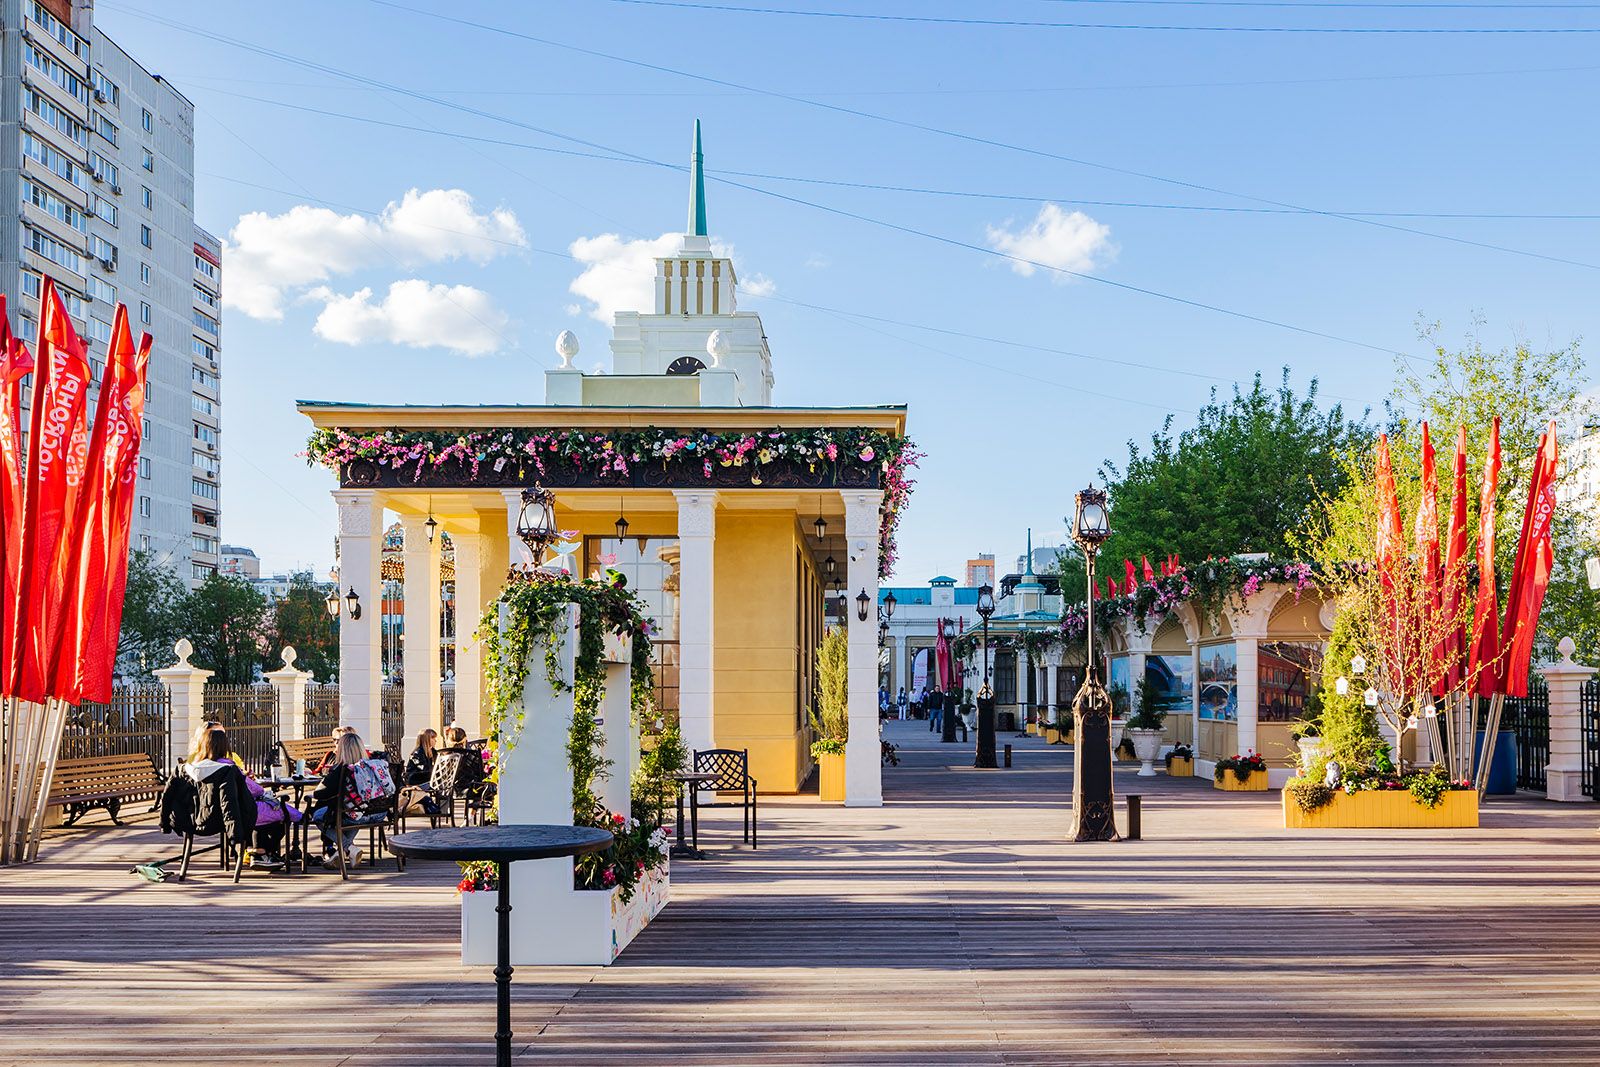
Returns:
point(536, 608)
point(615, 453)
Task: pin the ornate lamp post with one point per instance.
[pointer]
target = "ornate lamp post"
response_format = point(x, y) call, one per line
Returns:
point(1093, 815)
point(536, 523)
point(985, 757)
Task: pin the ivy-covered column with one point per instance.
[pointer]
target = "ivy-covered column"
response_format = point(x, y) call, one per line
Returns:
point(421, 662)
point(863, 754)
point(360, 653)
point(697, 528)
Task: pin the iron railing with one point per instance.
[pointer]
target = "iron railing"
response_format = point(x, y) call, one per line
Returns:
point(447, 704)
point(1528, 718)
point(1589, 717)
point(135, 721)
point(250, 715)
point(322, 709)
point(393, 708)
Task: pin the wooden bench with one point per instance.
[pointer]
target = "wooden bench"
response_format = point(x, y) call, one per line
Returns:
point(311, 749)
point(80, 785)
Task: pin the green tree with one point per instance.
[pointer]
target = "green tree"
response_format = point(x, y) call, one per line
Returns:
point(225, 618)
point(1244, 478)
point(300, 618)
point(150, 612)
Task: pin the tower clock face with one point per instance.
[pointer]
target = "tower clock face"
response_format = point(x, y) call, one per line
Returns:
point(686, 365)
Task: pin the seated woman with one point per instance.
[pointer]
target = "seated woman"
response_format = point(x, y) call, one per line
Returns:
point(223, 797)
point(419, 770)
point(272, 814)
point(338, 788)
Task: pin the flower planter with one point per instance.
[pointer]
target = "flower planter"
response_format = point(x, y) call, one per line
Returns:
point(578, 927)
point(830, 778)
point(1033, 729)
point(1310, 749)
point(1229, 783)
point(1180, 768)
point(1385, 808)
point(1146, 744)
point(1052, 735)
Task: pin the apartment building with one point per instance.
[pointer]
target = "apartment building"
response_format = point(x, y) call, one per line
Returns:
point(97, 155)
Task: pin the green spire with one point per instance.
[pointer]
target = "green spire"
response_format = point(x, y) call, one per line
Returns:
point(697, 189)
point(1028, 566)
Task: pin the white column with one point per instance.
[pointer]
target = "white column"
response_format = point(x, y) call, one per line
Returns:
point(902, 667)
point(469, 609)
point(290, 682)
point(519, 555)
point(1564, 773)
point(1052, 664)
point(697, 528)
point(186, 684)
point(1248, 690)
point(1022, 688)
point(863, 754)
point(360, 648)
point(422, 627)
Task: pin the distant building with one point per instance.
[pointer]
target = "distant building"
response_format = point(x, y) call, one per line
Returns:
point(1579, 487)
point(980, 569)
point(240, 562)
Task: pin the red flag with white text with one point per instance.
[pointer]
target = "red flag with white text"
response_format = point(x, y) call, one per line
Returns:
point(1455, 561)
point(1530, 575)
point(1427, 542)
point(1483, 652)
point(15, 364)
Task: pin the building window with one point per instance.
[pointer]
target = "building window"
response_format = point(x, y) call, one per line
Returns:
point(202, 404)
point(54, 251)
point(205, 461)
point(205, 266)
point(203, 377)
point(144, 273)
point(100, 330)
point(105, 127)
point(145, 119)
point(147, 160)
point(145, 237)
point(107, 171)
point(203, 543)
point(1005, 679)
point(205, 433)
point(203, 350)
point(53, 205)
point(52, 115)
point(146, 197)
point(144, 312)
point(144, 466)
point(206, 322)
point(203, 490)
point(144, 507)
point(104, 209)
point(49, 157)
point(58, 29)
point(202, 571)
point(102, 249)
point(207, 297)
point(106, 90)
point(102, 291)
point(45, 62)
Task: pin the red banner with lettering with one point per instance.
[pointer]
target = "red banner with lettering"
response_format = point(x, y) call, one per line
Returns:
point(1530, 576)
point(1427, 541)
point(1483, 655)
point(15, 364)
point(57, 453)
point(1455, 560)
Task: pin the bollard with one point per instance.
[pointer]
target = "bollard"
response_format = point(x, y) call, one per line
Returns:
point(1135, 801)
point(1008, 755)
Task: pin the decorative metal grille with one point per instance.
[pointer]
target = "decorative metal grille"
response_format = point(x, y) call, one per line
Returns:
point(394, 718)
point(1589, 716)
point(135, 721)
point(250, 715)
point(322, 709)
point(1528, 718)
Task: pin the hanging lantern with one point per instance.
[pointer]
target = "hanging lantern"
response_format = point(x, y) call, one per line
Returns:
point(536, 524)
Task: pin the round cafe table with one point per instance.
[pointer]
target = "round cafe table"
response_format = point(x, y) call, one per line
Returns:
point(500, 845)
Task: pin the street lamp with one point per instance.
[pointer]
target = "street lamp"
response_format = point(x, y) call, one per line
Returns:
point(985, 754)
point(863, 601)
point(622, 521)
point(889, 603)
point(1093, 814)
point(331, 603)
point(355, 603)
point(828, 565)
point(536, 523)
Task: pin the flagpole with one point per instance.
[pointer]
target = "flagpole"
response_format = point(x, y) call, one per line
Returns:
point(55, 721)
point(8, 711)
point(1491, 734)
point(22, 750)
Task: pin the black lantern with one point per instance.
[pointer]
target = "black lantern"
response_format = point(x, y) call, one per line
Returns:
point(863, 601)
point(332, 603)
point(622, 521)
point(883, 631)
point(844, 605)
point(822, 527)
point(1092, 524)
point(355, 603)
point(536, 524)
point(829, 565)
point(985, 601)
point(432, 527)
point(888, 605)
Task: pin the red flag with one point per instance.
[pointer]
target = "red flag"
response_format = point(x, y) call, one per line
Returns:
point(94, 618)
point(57, 452)
point(1149, 575)
point(1386, 550)
point(1132, 582)
point(1455, 566)
point(15, 363)
point(1427, 540)
point(1531, 573)
point(1483, 653)
point(1111, 587)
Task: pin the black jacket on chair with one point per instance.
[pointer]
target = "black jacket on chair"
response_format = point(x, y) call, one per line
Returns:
point(224, 801)
point(178, 802)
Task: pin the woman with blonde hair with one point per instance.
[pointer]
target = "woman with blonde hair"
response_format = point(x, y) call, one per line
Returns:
point(338, 788)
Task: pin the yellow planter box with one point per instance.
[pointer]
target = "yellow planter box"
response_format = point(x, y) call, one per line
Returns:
point(1052, 735)
point(1230, 783)
point(1386, 808)
point(1181, 768)
point(1033, 729)
point(830, 778)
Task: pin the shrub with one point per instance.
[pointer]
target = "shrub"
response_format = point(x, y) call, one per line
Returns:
point(1309, 794)
point(1148, 714)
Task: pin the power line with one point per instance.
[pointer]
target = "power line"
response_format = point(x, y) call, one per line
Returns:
point(1443, 5)
point(867, 16)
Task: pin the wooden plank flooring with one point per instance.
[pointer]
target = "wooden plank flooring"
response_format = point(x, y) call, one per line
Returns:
point(955, 925)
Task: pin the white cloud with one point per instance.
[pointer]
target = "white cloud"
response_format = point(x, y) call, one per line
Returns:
point(414, 313)
point(268, 255)
point(618, 274)
point(1067, 240)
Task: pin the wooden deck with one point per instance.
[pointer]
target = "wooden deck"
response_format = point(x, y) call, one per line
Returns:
point(954, 925)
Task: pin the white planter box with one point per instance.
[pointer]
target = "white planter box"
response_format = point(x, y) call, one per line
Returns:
point(577, 927)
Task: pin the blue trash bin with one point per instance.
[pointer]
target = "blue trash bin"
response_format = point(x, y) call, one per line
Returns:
point(1503, 771)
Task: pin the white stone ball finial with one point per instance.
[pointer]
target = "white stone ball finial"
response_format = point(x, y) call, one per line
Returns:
point(1566, 647)
point(566, 347)
point(184, 649)
point(717, 347)
point(289, 656)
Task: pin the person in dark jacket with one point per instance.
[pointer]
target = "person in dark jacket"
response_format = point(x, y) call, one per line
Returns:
point(223, 801)
point(419, 768)
point(337, 788)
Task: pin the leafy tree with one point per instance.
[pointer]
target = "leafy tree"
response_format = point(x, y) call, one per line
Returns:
point(225, 618)
point(150, 613)
point(1246, 477)
point(1068, 567)
point(300, 618)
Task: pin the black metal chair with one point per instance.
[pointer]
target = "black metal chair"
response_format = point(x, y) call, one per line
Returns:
point(377, 817)
point(732, 768)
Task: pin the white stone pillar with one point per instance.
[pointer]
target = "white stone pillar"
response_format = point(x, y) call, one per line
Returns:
point(1564, 773)
point(290, 682)
point(186, 684)
point(469, 610)
point(1052, 667)
point(902, 668)
point(863, 753)
point(697, 528)
point(1248, 689)
point(422, 594)
point(360, 644)
point(518, 554)
point(1023, 704)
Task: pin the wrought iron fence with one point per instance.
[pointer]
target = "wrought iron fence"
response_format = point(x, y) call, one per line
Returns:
point(322, 709)
point(250, 715)
point(135, 721)
point(393, 708)
point(447, 704)
point(1528, 718)
point(1589, 717)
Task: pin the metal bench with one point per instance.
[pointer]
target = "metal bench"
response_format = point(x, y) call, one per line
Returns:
point(81, 785)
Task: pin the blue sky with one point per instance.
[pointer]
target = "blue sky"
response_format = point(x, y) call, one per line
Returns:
point(1430, 123)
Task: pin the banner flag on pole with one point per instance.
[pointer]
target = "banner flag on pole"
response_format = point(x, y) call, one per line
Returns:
point(1386, 549)
point(1133, 582)
point(15, 364)
point(1483, 654)
point(1149, 575)
point(1454, 566)
point(1428, 653)
point(1530, 575)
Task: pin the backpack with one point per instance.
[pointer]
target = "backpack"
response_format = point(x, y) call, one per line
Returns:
point(367, 781)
